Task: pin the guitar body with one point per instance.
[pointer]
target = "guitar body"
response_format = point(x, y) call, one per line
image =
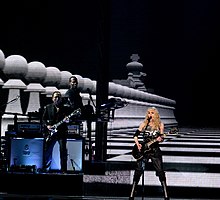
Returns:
point(145, 148)
point(52, 132)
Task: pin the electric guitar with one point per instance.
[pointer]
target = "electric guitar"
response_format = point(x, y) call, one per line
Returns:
point(53, 130)
point(146, 147)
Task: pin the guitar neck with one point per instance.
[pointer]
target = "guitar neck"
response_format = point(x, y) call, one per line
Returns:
point(63, 120)
point(155, 140)
point(151, 142)
point(57, 124)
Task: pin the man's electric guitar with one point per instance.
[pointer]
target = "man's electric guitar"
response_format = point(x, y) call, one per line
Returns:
point(53, 130)
point(146, 147)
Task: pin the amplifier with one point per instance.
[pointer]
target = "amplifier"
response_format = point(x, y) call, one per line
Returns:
point(75, 152)
point(28, 129)
point(26, 152)
point(75, 129)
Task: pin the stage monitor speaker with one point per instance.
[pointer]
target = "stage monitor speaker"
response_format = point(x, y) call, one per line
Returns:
point(26, 152)
point(74, 155)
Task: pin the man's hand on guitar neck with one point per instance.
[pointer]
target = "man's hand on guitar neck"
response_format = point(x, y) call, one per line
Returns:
point(66, 119)
point(49, 127)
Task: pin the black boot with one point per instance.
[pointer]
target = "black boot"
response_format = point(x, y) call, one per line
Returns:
point(133, 190)
point(164, 185)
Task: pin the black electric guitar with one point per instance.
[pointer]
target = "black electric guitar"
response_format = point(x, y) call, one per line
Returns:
point(53, 130)
point(146, 147)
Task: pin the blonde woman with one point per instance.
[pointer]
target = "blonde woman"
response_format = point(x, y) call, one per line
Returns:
point(152, 130)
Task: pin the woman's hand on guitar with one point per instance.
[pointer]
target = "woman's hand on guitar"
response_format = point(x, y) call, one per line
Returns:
point(139, 146)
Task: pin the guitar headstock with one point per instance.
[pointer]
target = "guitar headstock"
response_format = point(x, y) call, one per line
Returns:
point(77, 112)
point(174, 130)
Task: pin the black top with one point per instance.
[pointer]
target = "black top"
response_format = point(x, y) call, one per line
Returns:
point(151, 135)
point(75, 100)
point(51, 117)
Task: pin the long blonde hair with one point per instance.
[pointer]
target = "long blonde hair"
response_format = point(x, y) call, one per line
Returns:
point(156, 120)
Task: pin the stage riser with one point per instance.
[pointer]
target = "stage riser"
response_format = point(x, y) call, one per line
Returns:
point(73, 185)
point(42, 184)
point(122, 190)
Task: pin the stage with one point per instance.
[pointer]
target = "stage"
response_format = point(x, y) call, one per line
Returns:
point(191, 160)
point(41, 184)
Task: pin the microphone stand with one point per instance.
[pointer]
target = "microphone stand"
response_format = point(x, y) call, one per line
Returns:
point(90, 97)
point(89, 127)
point(72, 163)
point(144, 166)
point(1, 113)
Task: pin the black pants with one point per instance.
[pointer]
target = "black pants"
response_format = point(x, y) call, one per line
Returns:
point(49, 152)
point(156, 157)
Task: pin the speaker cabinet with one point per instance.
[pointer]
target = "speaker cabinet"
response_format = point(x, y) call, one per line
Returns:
point(26, 152)
point(74, 155)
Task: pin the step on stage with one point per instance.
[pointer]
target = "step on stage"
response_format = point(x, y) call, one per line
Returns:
point(41, 183)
